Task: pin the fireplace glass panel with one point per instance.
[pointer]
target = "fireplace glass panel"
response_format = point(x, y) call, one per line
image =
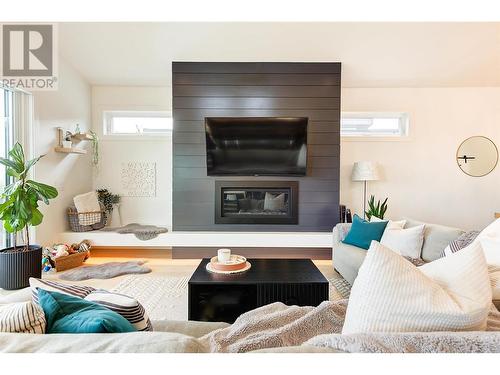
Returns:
point(256, 202)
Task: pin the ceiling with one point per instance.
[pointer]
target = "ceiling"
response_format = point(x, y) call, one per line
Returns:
point(372, 54)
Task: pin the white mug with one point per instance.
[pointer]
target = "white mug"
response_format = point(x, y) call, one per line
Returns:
point(224, 255)
point(67, 144)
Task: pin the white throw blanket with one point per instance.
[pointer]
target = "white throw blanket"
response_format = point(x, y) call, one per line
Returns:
point(277, 325)
point(88, 202)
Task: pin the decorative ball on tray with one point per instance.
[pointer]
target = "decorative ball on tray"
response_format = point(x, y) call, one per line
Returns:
point(225, 263)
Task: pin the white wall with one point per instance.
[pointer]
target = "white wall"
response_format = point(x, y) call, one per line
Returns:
point(69, 173)
point(421, 176)
point(155, 210)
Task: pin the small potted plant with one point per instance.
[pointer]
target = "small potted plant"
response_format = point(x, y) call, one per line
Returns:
point(111, 203)
point(378, 210)
point(19, 210)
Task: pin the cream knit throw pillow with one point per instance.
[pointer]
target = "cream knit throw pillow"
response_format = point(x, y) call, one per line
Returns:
point(392, 295)
point(407, 242)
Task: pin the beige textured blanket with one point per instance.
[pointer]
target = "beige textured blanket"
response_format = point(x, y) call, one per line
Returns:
point(277, 325)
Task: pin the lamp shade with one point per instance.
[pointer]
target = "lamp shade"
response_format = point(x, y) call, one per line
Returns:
point(365, 171)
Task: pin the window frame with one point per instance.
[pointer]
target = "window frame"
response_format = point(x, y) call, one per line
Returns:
point(404, 118)
point(108, 114)
point(20, 129)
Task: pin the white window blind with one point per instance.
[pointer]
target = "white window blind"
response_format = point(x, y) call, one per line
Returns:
point(137, 122)
point(374, 124)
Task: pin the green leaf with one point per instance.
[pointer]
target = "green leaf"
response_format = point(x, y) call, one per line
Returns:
point(11, 164)
point(6, 204)
point(13, 173)
point(22, 207)
point(44, 190)
point(8, 227)
point(36, 217)
point(31, 163)
point(15, 224)
point(17, 155)
point(11, 188)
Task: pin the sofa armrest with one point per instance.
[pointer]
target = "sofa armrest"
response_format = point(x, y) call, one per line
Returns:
point(340, 232)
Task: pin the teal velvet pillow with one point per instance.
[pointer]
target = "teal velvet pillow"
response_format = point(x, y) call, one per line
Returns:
point(68, 314)
point(363, 232)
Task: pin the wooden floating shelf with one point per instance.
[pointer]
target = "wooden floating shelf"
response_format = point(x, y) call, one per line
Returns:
point(82, 137)
point(66, 150)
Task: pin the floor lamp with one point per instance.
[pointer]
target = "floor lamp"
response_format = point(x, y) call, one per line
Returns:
point(365, 171)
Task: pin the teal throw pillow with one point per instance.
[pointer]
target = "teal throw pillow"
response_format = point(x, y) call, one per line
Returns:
point(69, 314)
point(363, 232)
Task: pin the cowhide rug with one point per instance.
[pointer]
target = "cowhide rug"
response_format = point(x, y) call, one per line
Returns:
point(105, 271)
point(142, 232)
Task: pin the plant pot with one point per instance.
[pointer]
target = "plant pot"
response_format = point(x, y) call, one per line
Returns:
point(16, 267)
point(116, 217)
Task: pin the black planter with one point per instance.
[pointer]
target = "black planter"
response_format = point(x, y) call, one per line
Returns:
point(17, 267)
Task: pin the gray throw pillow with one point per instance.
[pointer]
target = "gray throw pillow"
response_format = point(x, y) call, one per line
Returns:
point(274, 202)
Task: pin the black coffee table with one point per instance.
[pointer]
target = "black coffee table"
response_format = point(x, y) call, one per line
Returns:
point(222, 298)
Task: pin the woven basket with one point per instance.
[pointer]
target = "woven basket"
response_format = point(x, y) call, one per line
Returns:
point(70, 261)
point(81, 221)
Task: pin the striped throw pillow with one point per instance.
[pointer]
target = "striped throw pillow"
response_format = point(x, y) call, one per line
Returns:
point(22, 317)
point(126, 306)
point(459, 243)
point(52, 286)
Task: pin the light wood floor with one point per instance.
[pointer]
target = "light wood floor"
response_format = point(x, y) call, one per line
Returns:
point(160, 261)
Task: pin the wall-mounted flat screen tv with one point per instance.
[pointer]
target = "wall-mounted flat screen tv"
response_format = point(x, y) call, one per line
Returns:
point(256, 146)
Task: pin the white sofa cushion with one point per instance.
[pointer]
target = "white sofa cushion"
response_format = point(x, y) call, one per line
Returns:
point(132, 342)
point(436, 238)
point(392, 295)
point(406, 242)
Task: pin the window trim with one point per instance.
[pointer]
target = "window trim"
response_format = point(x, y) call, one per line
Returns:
point(405, 116)
point(21, 130)
point(105, 115)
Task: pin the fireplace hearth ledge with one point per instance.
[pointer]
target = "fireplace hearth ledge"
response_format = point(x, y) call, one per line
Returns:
point(205, 239)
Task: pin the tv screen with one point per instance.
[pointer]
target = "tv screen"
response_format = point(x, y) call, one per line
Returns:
point(251, 146)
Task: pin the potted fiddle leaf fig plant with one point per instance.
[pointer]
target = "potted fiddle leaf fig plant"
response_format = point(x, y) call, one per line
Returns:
point(18, 211)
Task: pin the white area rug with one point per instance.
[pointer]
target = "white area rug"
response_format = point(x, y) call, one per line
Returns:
point(166, 298)
point(162, 297)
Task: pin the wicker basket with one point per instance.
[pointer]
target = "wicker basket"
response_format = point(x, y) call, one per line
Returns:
point(80, 221)
point(70, 261)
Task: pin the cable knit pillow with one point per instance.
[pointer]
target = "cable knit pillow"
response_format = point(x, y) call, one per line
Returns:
point(392, 295)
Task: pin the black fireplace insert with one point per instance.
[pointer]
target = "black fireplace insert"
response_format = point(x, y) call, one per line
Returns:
point(256, 202)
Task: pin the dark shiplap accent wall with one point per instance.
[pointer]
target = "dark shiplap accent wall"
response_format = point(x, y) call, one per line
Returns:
point(255, 90)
